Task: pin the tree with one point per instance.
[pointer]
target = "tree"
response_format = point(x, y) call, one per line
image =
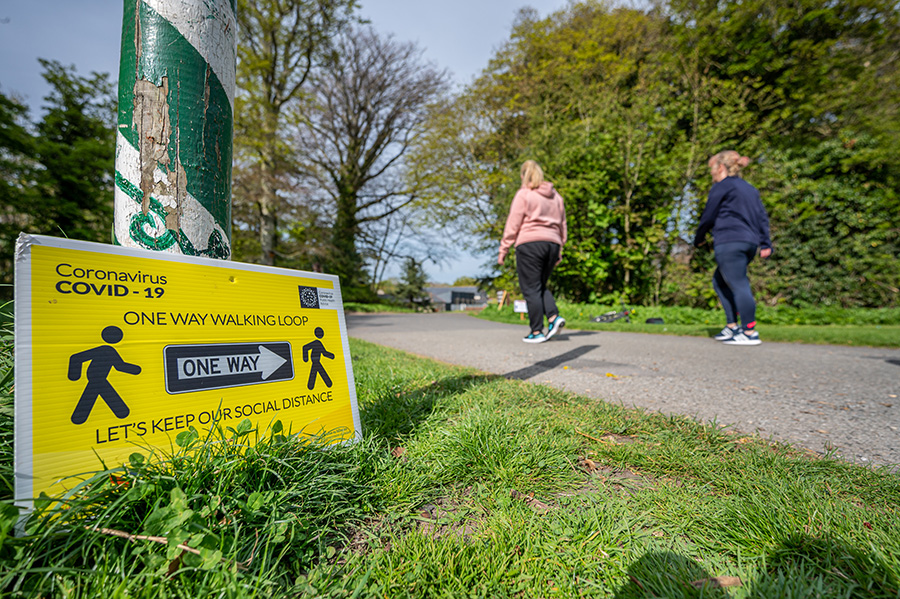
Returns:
point(396, 237)
point(17, 187)
point(818, 109)
point(585, 92)
point(76, 148)
point(623, 107)
point(368, 105)
point(59, 181)
point(466, 168)
point(465, 282)
point(815, 67)
point(835, 217)
point(412, 283)
point(281, 42)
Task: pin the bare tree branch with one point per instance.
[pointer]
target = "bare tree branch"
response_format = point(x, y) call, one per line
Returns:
point(366, 108)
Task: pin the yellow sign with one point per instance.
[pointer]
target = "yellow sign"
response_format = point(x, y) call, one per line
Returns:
point(119, 350)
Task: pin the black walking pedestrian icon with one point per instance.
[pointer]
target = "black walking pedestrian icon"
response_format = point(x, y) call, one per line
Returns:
point(103, 359)
point(313, 351)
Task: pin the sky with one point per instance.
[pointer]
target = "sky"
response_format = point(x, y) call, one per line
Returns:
point(460, 36)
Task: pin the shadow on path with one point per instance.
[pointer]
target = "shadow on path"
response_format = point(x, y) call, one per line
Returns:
point(563, 335)
point(549, 364)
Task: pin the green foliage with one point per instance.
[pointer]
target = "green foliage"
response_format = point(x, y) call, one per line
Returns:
point(623, 107)
point(583, 103)
point(411, 287)
point(834, 210)
point(280, 43)
point(465, 282)
point(374, 307)
point(18, 168)
point(688, 279)
point(812, 68)
point(76, 147)
point(59, 179)
point(358, 294)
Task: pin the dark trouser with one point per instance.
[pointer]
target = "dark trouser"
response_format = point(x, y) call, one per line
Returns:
point(731, 283)
point(534, 262)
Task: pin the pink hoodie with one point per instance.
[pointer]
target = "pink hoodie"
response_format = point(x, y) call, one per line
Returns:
point(535, 215)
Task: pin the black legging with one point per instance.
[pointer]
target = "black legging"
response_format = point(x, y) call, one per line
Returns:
point(731, 283)
point(534, 263)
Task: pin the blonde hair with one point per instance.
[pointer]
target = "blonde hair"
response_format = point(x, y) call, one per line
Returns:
point(532, 175)
point(732, 161)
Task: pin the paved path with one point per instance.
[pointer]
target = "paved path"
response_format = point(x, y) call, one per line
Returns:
point(814, 396)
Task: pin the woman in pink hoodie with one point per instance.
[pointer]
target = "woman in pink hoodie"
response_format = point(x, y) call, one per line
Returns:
point(536, 225)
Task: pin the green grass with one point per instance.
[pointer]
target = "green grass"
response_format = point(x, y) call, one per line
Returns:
point(861, 327)
point(466, 485)
point(373, 308)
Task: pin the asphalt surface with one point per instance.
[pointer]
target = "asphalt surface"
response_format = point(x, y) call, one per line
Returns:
point(813, 396)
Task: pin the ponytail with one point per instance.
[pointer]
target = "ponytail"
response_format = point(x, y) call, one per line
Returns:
point(532, 174)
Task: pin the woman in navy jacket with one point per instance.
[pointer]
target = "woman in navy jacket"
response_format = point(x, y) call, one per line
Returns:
point(740, 228)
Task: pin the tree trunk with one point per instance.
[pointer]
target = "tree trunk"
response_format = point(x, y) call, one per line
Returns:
point(268, 192)
point(267, 221)
point(347, 261)
point(174, 144)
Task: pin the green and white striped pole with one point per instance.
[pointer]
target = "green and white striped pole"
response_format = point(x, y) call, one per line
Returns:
point(174, 142)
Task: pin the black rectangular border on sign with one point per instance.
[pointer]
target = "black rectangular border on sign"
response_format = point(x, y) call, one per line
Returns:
point(171, 353)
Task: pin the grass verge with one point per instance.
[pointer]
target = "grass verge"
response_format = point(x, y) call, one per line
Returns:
point(466, 485)
point(702, 323)
point(376, 308)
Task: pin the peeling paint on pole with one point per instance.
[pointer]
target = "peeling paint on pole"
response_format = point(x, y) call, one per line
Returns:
point(174, 143)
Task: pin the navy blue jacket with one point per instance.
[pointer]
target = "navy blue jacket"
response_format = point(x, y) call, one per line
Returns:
point(734, 212)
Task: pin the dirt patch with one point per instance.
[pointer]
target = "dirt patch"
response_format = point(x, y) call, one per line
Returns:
point(609, 438)
point(532, 502)
point(628, 481)
point(446, 518)
point(588, 488)
point(374, 531)
point(617, 478)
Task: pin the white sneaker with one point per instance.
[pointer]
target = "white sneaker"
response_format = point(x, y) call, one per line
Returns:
point(726, 334)
point(556, 326)
point(744, 338)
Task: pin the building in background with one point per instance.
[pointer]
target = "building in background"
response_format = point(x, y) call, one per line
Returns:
point(456, 298)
